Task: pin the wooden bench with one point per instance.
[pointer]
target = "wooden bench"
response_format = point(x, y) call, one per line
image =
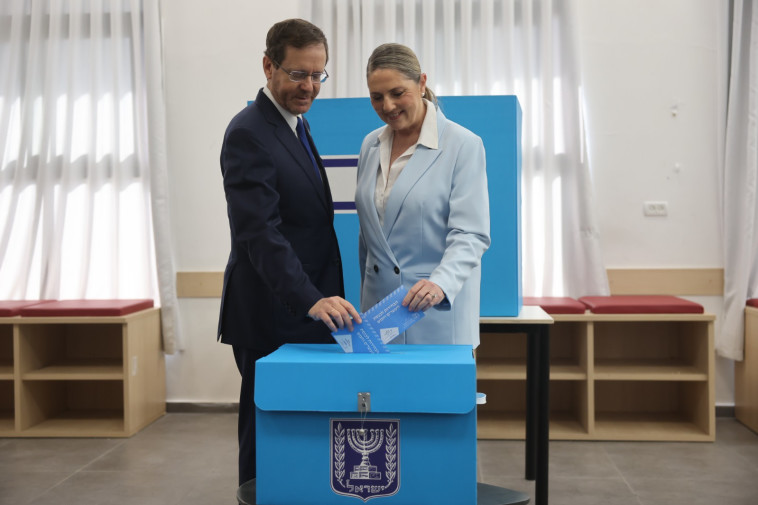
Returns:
point(11, 308)
point(746, 371)
point(622, 368)
point(80, 368)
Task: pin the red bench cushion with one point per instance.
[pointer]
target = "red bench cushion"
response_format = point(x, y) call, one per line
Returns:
point(640, 304)
point(10, 308)
point(556, 304)
point(86, 308)
point(753, 302)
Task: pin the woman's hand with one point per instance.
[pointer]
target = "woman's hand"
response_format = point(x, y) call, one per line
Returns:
point(423, 295)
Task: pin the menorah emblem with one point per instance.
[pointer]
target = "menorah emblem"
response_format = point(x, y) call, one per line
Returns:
point(365, 442)
point(352, 442)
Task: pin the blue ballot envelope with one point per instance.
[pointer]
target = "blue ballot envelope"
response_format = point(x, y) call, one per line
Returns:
point(336, 428)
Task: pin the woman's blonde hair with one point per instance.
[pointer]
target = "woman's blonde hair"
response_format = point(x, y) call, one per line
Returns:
point(401, 58)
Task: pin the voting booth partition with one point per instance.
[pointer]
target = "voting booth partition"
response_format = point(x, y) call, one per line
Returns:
point(339, 125)
point(399, 428)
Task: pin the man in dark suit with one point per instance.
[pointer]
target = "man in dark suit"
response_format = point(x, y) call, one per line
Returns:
point(283, 282)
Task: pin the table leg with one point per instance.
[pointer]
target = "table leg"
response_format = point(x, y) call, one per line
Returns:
point(543, 416)
point(532, 393)
point(537, 402)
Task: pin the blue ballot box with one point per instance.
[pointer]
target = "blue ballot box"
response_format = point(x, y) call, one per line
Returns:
point(396, 428)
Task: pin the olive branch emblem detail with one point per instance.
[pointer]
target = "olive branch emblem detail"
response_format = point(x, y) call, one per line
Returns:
point(339, 453)
point(391, 454)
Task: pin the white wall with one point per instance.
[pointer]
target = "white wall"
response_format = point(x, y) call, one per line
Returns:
point(649, 72)
point(650, 75)
point(213, 61)
point(641, 61)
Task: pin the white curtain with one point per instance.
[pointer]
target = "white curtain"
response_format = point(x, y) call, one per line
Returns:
point(488, 47)
point(740, 179)
point(82, 163)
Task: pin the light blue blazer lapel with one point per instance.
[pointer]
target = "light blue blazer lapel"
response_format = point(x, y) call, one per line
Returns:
point(367, 186)
point(421, 160)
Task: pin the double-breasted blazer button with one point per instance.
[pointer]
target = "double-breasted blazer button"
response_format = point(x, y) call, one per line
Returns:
point(376, 268)
point(397, 270)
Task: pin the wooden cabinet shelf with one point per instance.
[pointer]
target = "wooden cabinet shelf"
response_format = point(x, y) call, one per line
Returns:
point(500, 425)
point(648, 427)
point(515, 369)
point(81, 376)
point(6, 423)
point(6, 353)
point(104, 369)
point(561, 369)
point(500, 369)
point(672, 370)
point(80, 423)
point(6, 371)
point(612, 377)
point(6, 407)
point(746, 374)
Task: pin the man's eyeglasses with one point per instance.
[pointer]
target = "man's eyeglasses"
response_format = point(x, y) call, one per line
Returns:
point(301, 76)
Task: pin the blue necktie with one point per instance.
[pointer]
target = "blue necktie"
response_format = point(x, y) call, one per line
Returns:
point(304, 140)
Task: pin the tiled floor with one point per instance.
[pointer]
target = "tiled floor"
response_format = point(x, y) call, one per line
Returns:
point(190, 459)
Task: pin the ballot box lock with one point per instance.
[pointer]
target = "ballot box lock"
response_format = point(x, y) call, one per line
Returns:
point(364, 402)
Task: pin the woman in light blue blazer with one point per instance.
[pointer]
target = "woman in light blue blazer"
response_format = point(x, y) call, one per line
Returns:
point(422, 203)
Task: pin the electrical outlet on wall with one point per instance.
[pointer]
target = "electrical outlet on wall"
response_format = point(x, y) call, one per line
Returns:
point(657, 208)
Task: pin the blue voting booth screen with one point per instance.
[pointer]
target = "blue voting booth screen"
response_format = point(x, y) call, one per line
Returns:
point(339, 125)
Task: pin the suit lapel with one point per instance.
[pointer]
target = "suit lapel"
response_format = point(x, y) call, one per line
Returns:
point(371, 223)
point(324, 181)
point(421, 160)
point(290, 141)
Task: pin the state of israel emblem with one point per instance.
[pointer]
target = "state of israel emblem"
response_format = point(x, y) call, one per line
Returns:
point(365, 457)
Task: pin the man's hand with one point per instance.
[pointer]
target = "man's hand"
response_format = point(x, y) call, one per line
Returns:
point(423, 295)
point(335, 312)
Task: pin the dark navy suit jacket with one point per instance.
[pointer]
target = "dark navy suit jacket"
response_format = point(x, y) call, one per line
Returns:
point(284, 253)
